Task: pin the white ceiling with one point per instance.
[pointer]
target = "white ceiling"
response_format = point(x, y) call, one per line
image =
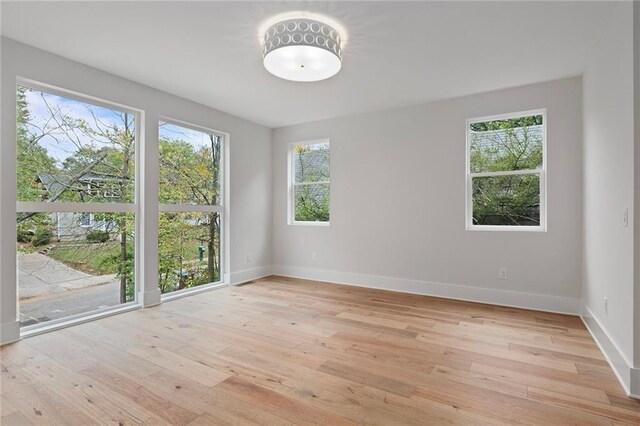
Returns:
point(397, 53)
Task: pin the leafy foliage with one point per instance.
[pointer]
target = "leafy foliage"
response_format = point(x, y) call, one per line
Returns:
point(189, 174)
point(41, 237)
point(69, 151)
point(63, 155)
point(98, 236)
point(505, 146)
point(181, 238)
point(311, 174)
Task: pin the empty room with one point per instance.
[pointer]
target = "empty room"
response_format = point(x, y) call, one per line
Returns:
point(319, 212)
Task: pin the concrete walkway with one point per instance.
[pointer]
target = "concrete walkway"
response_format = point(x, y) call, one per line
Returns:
point(40, 275)
point(49, 289)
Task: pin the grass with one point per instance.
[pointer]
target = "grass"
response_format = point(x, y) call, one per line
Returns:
point(100, 258)
point(94, 259)
point(28, 248)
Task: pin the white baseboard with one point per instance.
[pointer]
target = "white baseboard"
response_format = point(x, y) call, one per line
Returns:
point(539, 302)
point(245, 275)
point(9, 332)
point(628, 376)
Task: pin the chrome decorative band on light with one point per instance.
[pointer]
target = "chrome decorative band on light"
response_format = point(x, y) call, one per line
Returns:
point(302, 49)
point(308, 32)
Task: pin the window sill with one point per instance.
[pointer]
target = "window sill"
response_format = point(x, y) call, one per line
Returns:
point(191, 291)
point(309, 223)
point(499, 228)
point(34, 330)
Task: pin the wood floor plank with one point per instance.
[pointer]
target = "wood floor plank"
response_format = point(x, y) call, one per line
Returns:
point(283, 351)
point(142, 395)
point(277, 403)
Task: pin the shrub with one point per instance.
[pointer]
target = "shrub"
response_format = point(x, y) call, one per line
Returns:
point(41, 237)
point(98, 236)
point(25, 235)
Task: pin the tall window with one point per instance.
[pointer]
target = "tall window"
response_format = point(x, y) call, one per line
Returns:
point(190, 207)
point(76, 205)
point(309, 183)
point(506, 172)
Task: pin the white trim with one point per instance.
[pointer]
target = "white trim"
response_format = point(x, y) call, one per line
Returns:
point(620, 364)
point(309, 223)
point(149, 298)
point(76, 96)
point(539, 302)
point(190, 126)
point(91, 207)
point(190, 208)
point(62, 207)
point(223, 195)
point(324, 182)
point(9, 332)
point(507, 115)
point(507, 173)
point(542, 172)
point(89, 225)
point(240, 277)
point(192, 290)
point(291, 184)
point(505, 228)
point(33, 330)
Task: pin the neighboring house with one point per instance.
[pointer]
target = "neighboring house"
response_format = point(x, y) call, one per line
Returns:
point(75, 226)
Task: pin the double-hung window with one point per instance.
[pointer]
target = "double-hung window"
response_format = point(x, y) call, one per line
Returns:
point(308, 199)
point(191, 209)
point(506, 170)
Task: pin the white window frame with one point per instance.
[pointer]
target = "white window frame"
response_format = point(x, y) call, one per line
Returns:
point(90, 221)
point(291, 184)
point(201, 208)
point(542, 174)
point(89, 207)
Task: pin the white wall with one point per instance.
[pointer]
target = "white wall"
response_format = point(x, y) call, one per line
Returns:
point(250, 168)
point(608, 181)
point(636, 216)
point(398, 204)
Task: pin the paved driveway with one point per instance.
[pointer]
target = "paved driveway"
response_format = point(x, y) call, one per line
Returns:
point(50, 289)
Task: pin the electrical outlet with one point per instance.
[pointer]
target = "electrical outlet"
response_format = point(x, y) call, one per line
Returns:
point(314, 257)
point(249, 258)
point(502, 273)
point(606, 306)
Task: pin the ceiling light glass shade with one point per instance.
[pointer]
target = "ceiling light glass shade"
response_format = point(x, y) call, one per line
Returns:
point(302, 50)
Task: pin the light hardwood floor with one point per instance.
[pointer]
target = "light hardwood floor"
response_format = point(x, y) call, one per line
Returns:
point(283, 351)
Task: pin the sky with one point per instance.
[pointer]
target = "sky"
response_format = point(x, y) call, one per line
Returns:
point(60, 146)
point(195, 138)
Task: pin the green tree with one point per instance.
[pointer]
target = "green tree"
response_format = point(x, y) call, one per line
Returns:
point(99, 166)
point(507, 145)
point(311, 166)
point(189, 175)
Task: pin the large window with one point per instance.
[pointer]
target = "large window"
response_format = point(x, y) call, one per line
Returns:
point(506, 172)
point(76, 205)
point(190, 192)
point(309, 183)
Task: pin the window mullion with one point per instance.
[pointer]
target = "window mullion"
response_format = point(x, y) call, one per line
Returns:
point(324, 182)
point(190, 208)
point(507, 173)
point(73, 207)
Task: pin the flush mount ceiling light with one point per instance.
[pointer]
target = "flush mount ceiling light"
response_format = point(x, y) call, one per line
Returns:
point(302, 49)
